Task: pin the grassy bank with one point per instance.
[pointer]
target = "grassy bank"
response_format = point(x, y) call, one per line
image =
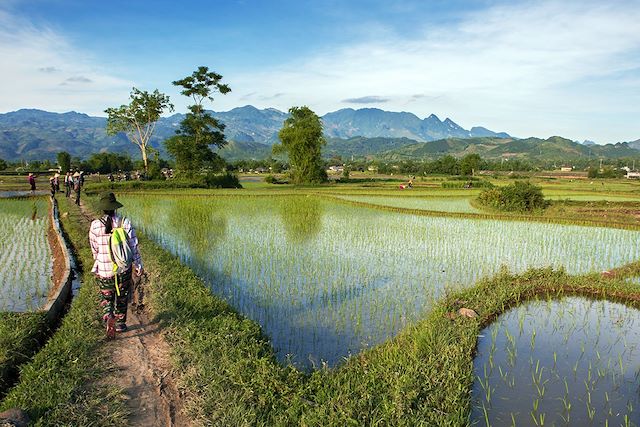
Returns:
point(54, 387)
point(421, 377)
point(21, 334)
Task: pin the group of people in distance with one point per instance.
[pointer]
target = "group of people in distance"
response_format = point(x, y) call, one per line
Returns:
point(72, 182)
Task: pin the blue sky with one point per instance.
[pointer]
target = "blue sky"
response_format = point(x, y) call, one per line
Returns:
point(530, 68)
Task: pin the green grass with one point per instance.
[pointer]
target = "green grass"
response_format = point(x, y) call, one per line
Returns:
point(58, 387)
point(21, 334)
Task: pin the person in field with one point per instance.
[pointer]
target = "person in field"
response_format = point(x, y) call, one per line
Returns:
point(68, 184)
point(113, 301)
point(32, 182)
point(77, 186)
point(52, 185)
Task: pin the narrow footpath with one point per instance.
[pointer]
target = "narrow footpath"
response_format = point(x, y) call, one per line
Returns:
point(141, 368)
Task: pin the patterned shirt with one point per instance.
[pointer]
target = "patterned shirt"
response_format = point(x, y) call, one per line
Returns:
point(99, 241)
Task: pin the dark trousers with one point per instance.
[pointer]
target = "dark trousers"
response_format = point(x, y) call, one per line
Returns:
point(111, 303)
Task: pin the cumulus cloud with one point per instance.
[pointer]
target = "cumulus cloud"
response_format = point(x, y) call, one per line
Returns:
point(34, 60)
point(366, 100)
point(530, 68)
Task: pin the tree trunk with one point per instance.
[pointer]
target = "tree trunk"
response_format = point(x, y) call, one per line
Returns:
point(144, 159)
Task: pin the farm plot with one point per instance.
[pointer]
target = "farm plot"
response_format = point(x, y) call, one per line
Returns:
point(569, 362)
point(326, 280)
point(440, 204)
point(25, 256)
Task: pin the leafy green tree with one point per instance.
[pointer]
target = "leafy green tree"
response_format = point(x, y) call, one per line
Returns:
point(469, 164)
point(199, 129)
point(138, 119)
point(302, 139)
point(64, 161)
point(3, 164)
point(107, 163)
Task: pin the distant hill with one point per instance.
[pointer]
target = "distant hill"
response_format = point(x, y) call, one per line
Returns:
point(635, 144)
point(372, 123)
point(494, 148)
point(36, 134)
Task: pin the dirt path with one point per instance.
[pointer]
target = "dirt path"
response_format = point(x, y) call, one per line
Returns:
point(141, 368)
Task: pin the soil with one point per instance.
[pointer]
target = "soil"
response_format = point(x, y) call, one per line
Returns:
point(140, 359)
point(58, 257)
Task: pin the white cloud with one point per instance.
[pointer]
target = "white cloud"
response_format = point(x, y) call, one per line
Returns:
point(535, 68)
point(41, 69)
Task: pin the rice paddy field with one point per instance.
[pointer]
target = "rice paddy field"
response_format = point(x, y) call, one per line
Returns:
point(335, 271)
point(439, 204)
point(559, 362)
point(325, 279)
point(25, 254)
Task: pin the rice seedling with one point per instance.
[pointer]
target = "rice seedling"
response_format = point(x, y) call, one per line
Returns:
point(572, 378)
point(442, 204)
point(25, 255)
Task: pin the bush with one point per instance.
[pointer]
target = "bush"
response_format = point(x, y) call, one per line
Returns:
point(225, 180)
point(521, 196)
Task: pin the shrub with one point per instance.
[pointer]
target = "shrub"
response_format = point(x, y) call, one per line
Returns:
point(521, 196)
point(225, 180)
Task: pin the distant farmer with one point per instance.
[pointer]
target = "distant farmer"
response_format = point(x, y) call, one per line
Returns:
point(56, 181)
point(115, 250)
point(32, 182)
point(52, 184)
point(68, 184)
point(77, 186)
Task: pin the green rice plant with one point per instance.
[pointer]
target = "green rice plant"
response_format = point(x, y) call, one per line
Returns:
point(563, 375)
point(25, 256)
point(448, 204)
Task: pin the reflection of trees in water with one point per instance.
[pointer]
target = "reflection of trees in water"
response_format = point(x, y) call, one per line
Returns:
point(301, 217)
point(201, 225)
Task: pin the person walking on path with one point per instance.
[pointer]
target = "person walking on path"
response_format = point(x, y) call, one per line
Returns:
point(114, 287)
point(32, 182)
point(68, 183)
point(56, 181)
point(77, 186)
point(52, 184)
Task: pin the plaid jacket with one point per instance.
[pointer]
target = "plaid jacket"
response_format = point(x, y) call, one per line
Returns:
point(99, 241)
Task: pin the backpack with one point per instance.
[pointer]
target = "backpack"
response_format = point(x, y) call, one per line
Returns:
point(120, 251)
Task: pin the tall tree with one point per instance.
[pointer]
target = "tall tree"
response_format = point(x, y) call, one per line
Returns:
point(138, 119)
point(199, 129)
point(302, 139)
point(470, 164)
point(64, 161)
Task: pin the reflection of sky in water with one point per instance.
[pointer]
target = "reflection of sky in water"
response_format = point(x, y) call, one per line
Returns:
point(325, 279)
point(596, 365)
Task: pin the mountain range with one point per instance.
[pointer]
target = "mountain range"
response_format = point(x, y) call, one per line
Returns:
point(34, 134)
